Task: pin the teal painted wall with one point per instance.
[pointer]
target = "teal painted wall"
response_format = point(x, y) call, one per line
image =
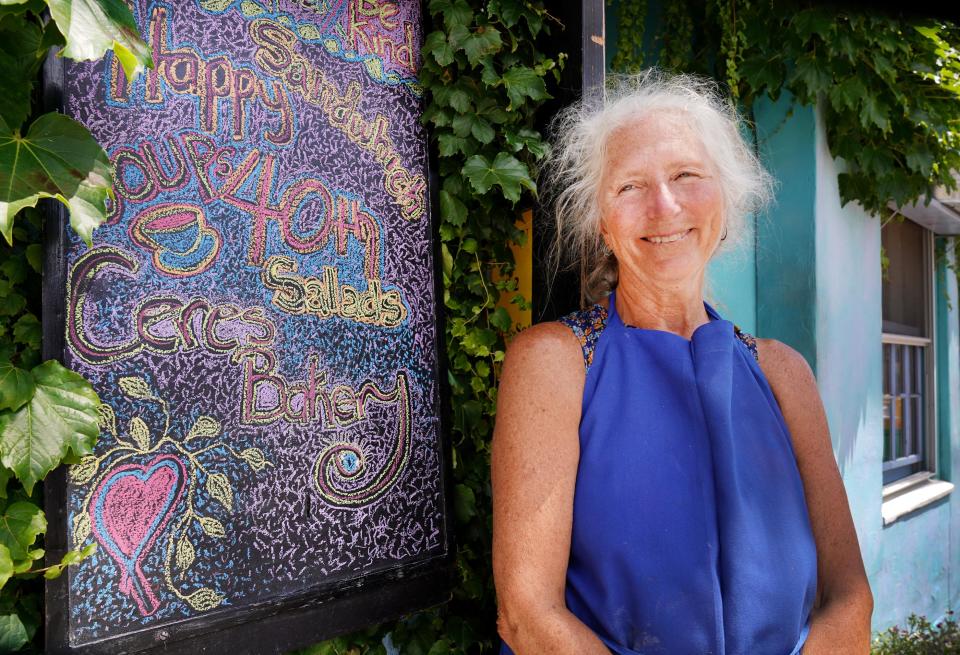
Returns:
point(786, 246)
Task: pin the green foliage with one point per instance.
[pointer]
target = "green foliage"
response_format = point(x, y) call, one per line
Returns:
point(92, 27)
point(58, 158)
point(59, 419)
point(48, 415)
point(888, 88)
point(920, 638)
point(486, 78)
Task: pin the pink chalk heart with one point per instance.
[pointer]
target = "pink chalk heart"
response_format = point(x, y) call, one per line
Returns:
point(130, 509)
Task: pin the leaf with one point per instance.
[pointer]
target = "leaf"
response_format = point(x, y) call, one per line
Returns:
point(21, 53)
point(135, 387)
point(204, 599)
point(5, 475)
point(20, 525)
point(456, 13)
point(460, 100)
point(501, 320)
point(451, 209)
point(254, 458)
point(185, 553)
point(53, 572)
point(139, 433)
point(451, 144)
point(464, 502)
point(36, 7)
point(34, 254)
point(814, 78)
point(522, 82)
point(13, 633)
point(6, 568)
point(462, 124)
point(848, 94)
point(16, 387)
point(436, 45)
point(482, 42)
point(874, 112)
point(815, 21)
point(482, 131)
point(204, 426)
point(219, 487)
point(86, 469)
point(59, 419)
point(27, 330)
point(212, 527)
point(58, 158)
point(81, 529)
point(506, 171)
point(92, 27)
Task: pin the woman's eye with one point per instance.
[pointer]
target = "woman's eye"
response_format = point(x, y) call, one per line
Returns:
point(625, 187)
point(686, 174)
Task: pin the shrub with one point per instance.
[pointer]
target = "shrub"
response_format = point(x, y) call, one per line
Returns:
point(920, 638)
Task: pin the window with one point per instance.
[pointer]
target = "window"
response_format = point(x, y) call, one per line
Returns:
point(909, 428)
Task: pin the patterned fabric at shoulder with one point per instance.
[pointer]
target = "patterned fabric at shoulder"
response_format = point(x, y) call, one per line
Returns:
point(587, 324)
point(748, 341)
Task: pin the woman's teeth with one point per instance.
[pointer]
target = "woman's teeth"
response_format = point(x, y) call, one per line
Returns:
point(670, 238)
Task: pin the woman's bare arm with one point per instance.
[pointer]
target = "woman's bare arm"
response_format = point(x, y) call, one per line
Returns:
point(841, 615)
point(533, 470)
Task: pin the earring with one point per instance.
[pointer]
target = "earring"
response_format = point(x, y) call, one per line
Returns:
point(724, 232)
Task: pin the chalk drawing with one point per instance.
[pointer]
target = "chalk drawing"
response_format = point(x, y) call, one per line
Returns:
point(128, 506)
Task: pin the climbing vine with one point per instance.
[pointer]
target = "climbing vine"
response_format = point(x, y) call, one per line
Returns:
point(486, 73)
point(889, 88)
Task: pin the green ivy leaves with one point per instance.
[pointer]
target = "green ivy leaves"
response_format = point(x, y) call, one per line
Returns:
point(888, 88)
point(92, 27)
point(58, 158)
point(59, 419)
point(505, 171)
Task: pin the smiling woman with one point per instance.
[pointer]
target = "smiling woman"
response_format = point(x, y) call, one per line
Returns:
point(664, 483)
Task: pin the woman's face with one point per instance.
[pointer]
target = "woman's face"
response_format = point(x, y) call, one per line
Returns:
point(660, 202)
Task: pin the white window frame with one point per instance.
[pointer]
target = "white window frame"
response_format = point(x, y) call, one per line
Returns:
point(921, 488)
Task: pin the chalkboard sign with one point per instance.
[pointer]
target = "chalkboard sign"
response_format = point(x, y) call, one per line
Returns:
point(259, 317)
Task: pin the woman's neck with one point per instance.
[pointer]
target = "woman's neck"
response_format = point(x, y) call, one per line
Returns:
point(679, 310)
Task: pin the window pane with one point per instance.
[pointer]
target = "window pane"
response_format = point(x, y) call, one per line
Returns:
point(901, 443)
point(887, 430)
point(887, 363)
point(920, 432)
point(903, 285)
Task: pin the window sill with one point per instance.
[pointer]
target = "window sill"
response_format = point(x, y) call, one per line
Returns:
point(910, 494)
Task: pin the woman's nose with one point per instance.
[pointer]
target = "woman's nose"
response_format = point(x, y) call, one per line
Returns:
point(663, 201)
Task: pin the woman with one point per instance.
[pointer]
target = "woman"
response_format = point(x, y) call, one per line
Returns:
point(662, 482)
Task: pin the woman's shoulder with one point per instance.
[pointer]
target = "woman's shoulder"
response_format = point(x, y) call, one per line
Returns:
point(544, 341)
point(784, 367)
point(542, 379)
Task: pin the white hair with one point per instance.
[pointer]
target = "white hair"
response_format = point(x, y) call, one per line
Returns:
point(579, 136)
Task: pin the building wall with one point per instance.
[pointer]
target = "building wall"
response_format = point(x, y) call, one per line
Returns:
point(828, 306)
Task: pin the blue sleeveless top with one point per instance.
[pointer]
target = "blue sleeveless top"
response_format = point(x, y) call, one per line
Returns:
point(690, 526)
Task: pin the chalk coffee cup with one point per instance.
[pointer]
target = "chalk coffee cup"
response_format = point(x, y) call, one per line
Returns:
point(178, 236)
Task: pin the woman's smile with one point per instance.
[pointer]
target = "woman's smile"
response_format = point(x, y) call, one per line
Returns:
point(668, 238)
